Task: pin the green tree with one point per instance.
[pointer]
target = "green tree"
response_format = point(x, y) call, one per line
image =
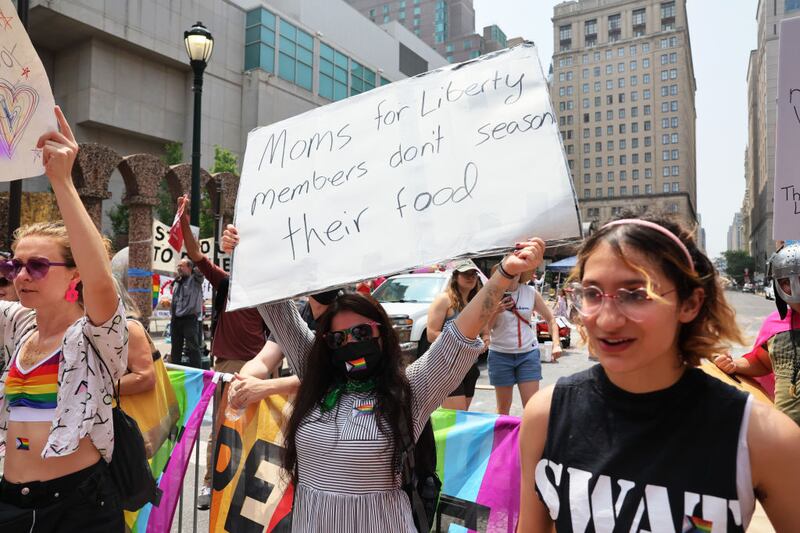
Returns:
point(118, 215)
point(224, 161)
point(737, 261)
point(164, 211)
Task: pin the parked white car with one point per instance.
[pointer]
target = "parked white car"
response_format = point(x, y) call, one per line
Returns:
point(406, 299)
point(769, 292)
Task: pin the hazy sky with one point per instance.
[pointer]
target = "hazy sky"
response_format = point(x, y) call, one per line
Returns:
point(721, 98)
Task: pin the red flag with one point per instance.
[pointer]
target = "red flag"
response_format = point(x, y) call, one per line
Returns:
point(176, 232)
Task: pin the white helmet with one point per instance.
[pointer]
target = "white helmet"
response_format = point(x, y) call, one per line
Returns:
point(785, 269)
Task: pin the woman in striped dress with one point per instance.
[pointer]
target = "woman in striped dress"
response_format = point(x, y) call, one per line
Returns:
point(343, 442)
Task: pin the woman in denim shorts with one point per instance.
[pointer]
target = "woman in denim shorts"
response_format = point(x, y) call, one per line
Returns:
point(514, 350)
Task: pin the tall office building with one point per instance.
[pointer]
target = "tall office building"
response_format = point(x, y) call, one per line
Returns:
point(762, 88)
point(448, 26)
point(623, 88)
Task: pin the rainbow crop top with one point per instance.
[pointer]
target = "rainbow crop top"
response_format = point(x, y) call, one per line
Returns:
point(31, 394)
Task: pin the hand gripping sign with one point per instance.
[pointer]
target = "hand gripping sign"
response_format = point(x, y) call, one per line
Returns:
point(463, 160)
point(26, 101)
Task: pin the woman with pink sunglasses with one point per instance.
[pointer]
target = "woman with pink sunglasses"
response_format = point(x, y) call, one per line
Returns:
point(645, 441)
point(55, 393)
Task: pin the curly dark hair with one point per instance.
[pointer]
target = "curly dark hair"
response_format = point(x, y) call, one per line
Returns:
point(392, 390)
point(714, 327)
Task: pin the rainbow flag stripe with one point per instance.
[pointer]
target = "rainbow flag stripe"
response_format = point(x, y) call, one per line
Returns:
point(23, 443)
point(38, 388)
point(193, 390)
point(357, 364)
point(363, 409)
point(477, 459)
point(694, 524)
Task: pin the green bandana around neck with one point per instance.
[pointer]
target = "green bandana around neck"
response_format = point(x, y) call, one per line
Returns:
point(332, 397)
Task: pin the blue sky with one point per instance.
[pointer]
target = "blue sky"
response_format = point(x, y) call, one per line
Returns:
point(721, 98)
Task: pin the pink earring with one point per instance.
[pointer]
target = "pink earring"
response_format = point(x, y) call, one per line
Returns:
point(72, 294)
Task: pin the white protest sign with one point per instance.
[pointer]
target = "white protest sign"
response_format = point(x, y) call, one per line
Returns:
point(786, 197)
point(463, 160)
point(26, 101)
point(165, 258)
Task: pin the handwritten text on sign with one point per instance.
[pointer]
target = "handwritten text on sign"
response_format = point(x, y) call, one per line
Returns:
point(463, 160)
point(26, 101)
point(786, 198)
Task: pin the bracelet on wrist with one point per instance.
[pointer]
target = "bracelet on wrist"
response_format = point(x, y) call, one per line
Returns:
point(503, 271)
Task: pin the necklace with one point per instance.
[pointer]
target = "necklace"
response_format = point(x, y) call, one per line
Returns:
point(32, 354)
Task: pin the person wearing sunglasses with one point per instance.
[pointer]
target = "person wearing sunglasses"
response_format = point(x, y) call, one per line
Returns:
point(55, 393)
point(645, 440)
point(356, 400)
point(7, 291)
point(463, 286)
point(514, 357)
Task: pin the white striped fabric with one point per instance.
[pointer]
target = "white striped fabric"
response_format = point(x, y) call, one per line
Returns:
point(346, 479)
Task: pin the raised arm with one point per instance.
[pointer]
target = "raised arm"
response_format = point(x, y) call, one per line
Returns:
point(59, 150)
point(434, 375)
point(191, 244)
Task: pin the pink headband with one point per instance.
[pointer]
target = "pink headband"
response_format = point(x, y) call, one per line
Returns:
point(658, 228)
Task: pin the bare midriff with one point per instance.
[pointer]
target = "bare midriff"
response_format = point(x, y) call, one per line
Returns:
point(27, 465)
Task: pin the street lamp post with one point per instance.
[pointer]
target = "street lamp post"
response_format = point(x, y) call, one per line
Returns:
point(199, 45)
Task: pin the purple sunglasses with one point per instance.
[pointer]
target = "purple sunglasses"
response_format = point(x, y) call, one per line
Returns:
point(37, 267)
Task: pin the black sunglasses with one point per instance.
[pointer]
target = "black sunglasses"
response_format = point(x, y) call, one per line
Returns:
point(359, 332)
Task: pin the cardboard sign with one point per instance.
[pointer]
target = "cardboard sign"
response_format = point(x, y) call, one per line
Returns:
point(26, 101)
point(165, 258)
point(463, 160)
point(786, 197)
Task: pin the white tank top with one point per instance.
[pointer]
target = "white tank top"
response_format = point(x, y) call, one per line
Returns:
point(510, 334)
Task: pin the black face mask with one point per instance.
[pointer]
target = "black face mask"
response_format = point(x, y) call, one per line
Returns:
point(358, 360)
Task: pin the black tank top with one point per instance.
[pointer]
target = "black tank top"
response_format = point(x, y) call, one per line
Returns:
point(663, 461)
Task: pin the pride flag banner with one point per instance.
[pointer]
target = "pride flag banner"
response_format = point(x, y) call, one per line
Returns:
point(477, 459)
point(193, 389)
point(250, 492)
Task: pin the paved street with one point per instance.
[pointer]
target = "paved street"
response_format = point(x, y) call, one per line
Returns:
point(751, 311)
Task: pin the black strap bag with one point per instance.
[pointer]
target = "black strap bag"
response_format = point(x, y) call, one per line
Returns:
point(420, 481)
point(129, 467)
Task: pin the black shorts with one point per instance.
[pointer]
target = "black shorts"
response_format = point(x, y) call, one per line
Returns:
point(85, 501)
point(467, 385)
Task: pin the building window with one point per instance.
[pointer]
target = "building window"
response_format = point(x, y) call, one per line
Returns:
point(610, 146)
point(635, 190)
point(634, 127)
point(590, 27)
point(668, 10)
point(646, 80)
point(639, 17)
point(648, 173)
point(259, 50)
point(598, 162)
point(362, 79)
point(623, 190)
point(611, 176)
point(673, 122)
point(296, 57)
point(598, 192)
point(645, 47)
point(635, 159)
point(614, 23)
point(587, 193)
point(648, 188)
point(675, 155)
point(611, 192)
point(674, 138)
point(673, 106)
point(647, 110)
point(565, 32)
point(647, 142)
point(675, 171)
point(332, 73)
point(646, 94)
point(623, 159)
point(623, 175)
point(648, 157)
point(646, 62)
point(665, 188)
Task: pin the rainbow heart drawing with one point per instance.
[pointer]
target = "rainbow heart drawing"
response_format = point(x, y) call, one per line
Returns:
point(17, 105)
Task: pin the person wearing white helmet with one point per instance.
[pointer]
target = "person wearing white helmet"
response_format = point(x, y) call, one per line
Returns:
point(776, 349)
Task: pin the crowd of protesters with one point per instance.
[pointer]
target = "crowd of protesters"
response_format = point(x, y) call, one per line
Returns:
point(645, 297)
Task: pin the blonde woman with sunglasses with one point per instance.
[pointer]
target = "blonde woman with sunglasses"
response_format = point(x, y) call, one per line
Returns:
point(55, 395)
point(645, 441)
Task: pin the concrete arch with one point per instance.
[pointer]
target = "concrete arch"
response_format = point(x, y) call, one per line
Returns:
point(91, 172)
